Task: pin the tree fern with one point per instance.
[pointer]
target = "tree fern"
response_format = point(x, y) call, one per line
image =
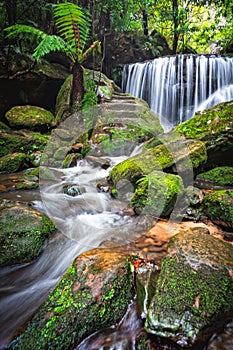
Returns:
point(73, 25)
point(47, 43)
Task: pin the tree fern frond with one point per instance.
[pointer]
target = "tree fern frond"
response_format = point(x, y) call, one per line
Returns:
point(73, 25)
point(50, 43)
point(23, 31)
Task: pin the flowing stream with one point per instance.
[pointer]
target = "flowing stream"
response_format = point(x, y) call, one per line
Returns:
point(85, 221)
point(176, 87)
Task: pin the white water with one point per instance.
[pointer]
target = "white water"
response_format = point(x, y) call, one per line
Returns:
point(176, 86)
point(85, 222)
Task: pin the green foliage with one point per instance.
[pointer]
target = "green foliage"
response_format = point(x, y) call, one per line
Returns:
point(73, 24)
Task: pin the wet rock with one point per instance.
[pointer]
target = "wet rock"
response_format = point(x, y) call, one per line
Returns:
point(96, 161)
point(14, 162)
point(24, 232)
point(72, 190)
point(180, 154)
point(218, 206)
point(157, 193)
point(194, 293)
point(30, 117)
point(94, 293)
point(213, 126)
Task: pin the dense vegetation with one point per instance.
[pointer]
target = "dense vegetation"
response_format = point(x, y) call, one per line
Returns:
point(188, 25)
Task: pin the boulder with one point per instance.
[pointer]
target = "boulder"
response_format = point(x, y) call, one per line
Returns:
point(30, 117)
point(14, 162)
point(157, 193)
point(194, 292)
point(218, 206)
point(24, 232)
point(24, 140)
point(214, 127)
point(179, 156)
point(94, 293)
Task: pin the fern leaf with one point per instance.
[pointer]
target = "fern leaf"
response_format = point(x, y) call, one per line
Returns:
point(23, 31)
point(50, 43)
point(73, 25)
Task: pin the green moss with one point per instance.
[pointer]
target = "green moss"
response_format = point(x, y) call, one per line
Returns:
point(30, 117)
point(12, 142)
point(220, 175)
point(72, 312)
point(14, 162)
point(194, 288)
point(218, 205)
point(24, 232)
point(206, 125)
point(156, 193)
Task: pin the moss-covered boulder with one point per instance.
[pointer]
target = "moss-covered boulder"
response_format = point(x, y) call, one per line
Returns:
point(23, 233)
point(94, 293)
point(214, 126)
point(22, 140)
point(194, 292)
point(30, 117)
point(216, 178)
point(177, 156)
point(157, 193)
point(14, 162)
point(218, 205)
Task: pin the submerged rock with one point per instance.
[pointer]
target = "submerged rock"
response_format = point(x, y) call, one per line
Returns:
point(194, 292)
point(24, 232)
point(94, 293)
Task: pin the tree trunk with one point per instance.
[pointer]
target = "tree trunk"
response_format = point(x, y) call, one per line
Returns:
point(175, 24)
point(11, 8)
point(145, 22)
point(77, 92)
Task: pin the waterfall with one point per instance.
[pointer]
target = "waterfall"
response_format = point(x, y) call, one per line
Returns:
point(176, 87)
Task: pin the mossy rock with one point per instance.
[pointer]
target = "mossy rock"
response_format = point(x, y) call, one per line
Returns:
point(23, 233)
point(14, 162)
point(93, 294)
point(218, 206)
point(222, 176)
point(30, 117)
point(182, 156)
point(194, 292)
point(208, 124)
point(24, 141)
point(214, 126)
point(157, 193)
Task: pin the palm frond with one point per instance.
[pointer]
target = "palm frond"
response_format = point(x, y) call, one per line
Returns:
point(73, 25)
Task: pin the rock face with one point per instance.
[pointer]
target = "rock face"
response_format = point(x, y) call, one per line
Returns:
point(30, 117)
point(24, 232)
point(194, 291)
point(94, 293)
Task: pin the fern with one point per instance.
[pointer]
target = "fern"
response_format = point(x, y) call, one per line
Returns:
point(47, 43)
point(73, 25)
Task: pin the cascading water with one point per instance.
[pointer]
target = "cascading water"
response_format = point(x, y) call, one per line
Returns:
point(176, 87)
